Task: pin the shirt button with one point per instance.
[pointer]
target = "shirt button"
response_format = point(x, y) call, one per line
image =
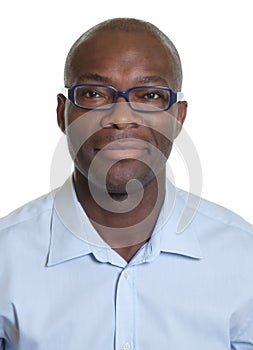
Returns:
point(126, 273)
point(126, 346)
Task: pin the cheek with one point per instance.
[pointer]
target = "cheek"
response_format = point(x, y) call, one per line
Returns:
point(78, 130)
point(80, 125)
point(164, 144)
point(163, 122)
point(74, 115)
point(164, 132)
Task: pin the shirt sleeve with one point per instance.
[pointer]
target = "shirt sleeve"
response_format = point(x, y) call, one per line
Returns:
point(244, 338)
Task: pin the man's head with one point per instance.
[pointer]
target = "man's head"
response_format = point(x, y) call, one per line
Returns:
point(127, 25)
point(122, 53)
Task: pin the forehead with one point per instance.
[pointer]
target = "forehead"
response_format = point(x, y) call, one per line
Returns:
point(122, 55)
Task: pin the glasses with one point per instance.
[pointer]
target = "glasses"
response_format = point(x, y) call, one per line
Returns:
point(139, 98)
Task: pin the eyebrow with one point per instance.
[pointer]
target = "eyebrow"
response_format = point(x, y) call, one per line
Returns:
point(151, 79)
point(95, 77)
point(139, 80)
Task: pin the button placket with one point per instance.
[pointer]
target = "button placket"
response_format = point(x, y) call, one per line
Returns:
point(125, 311)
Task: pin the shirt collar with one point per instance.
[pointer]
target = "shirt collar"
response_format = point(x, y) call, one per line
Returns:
point(176, 225)
point(67, 227)
point(73, 236)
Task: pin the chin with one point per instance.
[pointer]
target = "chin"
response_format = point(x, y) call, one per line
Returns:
point(119, 175)
point(136, 180)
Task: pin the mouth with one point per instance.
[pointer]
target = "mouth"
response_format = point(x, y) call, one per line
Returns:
point(124, 149)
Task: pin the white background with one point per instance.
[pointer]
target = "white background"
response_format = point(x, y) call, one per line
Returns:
point(214, 39)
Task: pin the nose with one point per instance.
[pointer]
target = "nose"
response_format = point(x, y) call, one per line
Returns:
point(121, 116)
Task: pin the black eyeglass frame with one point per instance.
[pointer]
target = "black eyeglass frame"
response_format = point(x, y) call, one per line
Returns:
point(174, 97)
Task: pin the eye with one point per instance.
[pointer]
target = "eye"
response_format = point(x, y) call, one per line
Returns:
point(151, 96)
point(91, 94)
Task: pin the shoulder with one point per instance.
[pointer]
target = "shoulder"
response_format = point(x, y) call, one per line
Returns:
point(225, 238)
point(215, 213)
point(214, 217)
point(25, 236)
point(27, 215)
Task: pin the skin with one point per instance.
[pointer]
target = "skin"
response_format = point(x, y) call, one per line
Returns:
point(123, 60)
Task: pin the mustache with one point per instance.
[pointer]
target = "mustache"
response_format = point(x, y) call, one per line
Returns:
point(123, 136)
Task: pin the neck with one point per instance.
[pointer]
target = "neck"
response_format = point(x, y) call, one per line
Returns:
point(124, 221)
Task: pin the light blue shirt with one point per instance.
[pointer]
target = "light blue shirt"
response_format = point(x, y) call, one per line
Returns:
point(60, 290)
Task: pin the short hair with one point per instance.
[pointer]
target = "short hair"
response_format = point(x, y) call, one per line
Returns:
point(127, 25)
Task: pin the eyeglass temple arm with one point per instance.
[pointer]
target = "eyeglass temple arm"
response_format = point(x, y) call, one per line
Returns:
point(64, 91)
point(180, 96)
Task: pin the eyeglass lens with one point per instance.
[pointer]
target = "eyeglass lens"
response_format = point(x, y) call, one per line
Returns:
point(146, 98)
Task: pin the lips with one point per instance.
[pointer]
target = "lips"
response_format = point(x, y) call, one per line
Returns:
point(123, 148)
point(123, 144)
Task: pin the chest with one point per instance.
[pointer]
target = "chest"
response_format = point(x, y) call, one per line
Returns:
point(93, 306)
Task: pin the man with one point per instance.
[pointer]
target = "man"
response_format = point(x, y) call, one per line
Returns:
point(98, 263)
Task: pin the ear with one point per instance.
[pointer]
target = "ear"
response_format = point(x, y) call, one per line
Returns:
point(182, 110)
point(61, 99)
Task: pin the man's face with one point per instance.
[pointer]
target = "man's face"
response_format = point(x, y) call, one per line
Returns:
point(121, 142)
